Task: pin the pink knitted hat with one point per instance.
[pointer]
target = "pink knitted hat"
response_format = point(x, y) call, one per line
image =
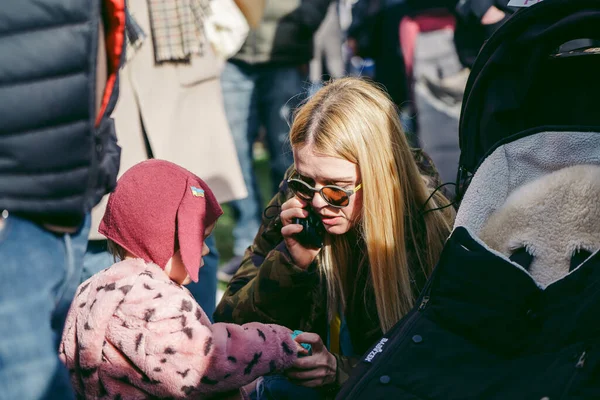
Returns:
point(157, 204)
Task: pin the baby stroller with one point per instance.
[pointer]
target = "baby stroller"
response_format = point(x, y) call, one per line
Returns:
point(484, 327)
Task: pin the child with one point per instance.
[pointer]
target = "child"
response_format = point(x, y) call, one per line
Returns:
point(133, 331)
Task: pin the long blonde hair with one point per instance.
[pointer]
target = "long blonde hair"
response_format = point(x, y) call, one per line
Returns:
point(353, 119)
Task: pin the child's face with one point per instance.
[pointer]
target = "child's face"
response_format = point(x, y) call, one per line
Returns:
point(175, 268)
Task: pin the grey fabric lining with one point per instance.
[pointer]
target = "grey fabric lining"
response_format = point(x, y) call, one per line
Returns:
point(519, 162)
point(515, 164)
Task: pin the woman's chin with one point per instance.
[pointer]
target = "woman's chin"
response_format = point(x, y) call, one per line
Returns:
point(338, 229)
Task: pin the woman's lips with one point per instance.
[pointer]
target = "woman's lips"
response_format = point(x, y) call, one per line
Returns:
point(329, 220)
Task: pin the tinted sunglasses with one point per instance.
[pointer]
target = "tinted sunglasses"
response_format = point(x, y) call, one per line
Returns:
point(333, 195)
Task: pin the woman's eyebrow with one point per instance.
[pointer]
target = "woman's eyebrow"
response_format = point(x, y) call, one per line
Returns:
point(345, 179)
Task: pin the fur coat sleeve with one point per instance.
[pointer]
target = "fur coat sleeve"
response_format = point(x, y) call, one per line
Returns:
point(134, 333)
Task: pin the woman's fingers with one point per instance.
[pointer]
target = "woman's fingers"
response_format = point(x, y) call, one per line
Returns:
point(313, 383)
point(301, 350)
point(293, 208)
point(290, 230)
point(307, 374)
point(311, 362)
point(294, 202)
point(287, 215)
point(311, 338)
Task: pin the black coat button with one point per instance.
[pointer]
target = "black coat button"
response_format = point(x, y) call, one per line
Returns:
point(417, 339)
point(532, 315)
point(384, 379)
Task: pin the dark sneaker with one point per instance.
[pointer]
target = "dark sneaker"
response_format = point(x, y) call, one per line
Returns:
point(228, 270)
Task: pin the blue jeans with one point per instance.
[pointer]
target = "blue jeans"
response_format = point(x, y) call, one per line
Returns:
point(255, 96)
point(98, 258)
point(205, 291)
point(39, 274)
point(277, 387)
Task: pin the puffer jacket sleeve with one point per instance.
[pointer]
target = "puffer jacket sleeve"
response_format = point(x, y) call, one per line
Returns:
point(268, 286)
point(177, 352)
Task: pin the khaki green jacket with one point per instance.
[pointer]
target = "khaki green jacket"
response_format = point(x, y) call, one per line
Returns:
point(269, 288)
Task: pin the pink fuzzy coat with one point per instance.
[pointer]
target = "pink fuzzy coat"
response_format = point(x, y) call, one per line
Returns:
point(132, 332)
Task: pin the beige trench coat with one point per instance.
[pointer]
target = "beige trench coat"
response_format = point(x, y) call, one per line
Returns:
point(182, 110)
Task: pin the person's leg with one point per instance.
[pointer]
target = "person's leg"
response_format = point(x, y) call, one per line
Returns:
point(36, 280)
point(389, 65)
point(96, 258)
point(332, 43)
point(282, 89)
point(437, 120)
point(205, 290)
point(240, 98)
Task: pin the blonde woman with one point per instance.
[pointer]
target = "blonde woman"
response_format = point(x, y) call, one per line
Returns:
point(383, 233)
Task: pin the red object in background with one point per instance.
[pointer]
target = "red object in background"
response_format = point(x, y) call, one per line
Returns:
point(412, 26)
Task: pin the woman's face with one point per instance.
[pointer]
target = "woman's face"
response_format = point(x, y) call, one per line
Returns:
point(318, 171)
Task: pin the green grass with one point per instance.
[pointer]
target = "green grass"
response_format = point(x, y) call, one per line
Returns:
point(224, 228)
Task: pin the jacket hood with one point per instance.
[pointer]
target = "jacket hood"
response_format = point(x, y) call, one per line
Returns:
point(517, 163)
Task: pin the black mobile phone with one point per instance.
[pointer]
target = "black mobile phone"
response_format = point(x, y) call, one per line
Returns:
point(313, 230)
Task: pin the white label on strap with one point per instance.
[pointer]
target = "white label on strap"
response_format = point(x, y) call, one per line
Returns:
point(376, 350)
point(523, 3)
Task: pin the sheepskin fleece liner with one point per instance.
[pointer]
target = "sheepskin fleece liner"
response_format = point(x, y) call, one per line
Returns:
point(552, 217)
point(514, 164)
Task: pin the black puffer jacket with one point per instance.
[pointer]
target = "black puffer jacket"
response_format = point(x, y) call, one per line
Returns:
point(57, 156)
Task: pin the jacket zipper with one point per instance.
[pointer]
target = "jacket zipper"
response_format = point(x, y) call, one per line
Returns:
point(578, 366)
point(414, 315)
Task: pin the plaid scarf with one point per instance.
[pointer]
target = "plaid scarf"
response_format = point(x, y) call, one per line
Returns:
point(177, 28)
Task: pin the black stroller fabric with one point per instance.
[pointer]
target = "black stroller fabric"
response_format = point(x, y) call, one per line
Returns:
point(519, 85)
point(483, 328)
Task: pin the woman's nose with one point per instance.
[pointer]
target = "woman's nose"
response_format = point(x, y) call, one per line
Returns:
point(318, 201)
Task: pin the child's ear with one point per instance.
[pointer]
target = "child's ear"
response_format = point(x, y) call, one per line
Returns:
point(190, 227)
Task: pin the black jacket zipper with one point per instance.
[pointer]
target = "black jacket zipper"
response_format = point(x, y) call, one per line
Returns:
point(578, 367)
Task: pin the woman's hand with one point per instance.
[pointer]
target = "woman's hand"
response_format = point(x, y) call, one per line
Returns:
point(294, 208)
point(492, 16)
point(316, 370)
